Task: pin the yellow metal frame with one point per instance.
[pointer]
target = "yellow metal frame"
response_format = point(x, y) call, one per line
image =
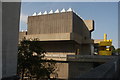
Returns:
point(103, 50)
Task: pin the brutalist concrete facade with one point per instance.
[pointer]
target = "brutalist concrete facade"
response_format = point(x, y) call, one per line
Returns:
point(65, 32)
point(61, 34)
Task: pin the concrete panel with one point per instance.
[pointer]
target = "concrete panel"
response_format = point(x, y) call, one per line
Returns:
point(76, 37)
point(90, 58)
point(49, 37)
point(119, 24)
point(77, 68)
point(86, 49)
point(54, 37)
point(0, 39)
point(77, 24)
point(21, 35)
point(58, 46)
point(109, 70)
point(10, 28)
point(50, 23)
point(89, 24)
point(81, 29)
point(63, 70)
point(58, 56)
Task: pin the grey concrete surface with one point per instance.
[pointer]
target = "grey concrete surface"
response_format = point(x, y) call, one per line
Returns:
point(119, 24)
point(109, 70)
point(90, 58)
point(9, 38)
point(0, 39)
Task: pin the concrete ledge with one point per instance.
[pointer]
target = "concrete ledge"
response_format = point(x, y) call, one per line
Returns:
point(90, 58)
point(49, 37)
point(109, 71)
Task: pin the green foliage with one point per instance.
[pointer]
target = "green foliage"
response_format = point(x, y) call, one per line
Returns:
point(118, 51)
point(115, 51)
point(31, 61)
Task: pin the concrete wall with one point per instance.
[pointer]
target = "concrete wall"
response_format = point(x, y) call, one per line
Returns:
point(67, 70)
point(10, 28)
point(60, 47)
point(77, 25)
point(22, 35)
point(59, 26)
point(89, 24)
point(57, 46)
point(50, 37)
point(50, 23)
point(80, 29)
point(118, 24)
point(109, 70)
point(76, 69)
point(86, 49)
point(0, 39)
point(63, 70)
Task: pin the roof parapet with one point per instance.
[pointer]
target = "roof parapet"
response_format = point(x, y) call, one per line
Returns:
point(40, 13)
point(70, 9)
point(51, 12)
point(45, 12)
point(63, 10)
point(57, 11)
point(34, 14)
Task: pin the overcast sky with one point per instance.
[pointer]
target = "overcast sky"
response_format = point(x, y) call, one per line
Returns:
point(105, 15)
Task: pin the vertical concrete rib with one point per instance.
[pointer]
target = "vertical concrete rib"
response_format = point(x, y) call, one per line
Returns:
point(0, 39)
point(119, 24)
point(10, 31)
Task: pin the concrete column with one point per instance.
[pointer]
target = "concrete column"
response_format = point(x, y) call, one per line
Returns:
point(119, 24)
point(92, 49)
point(9, 28)
point(0, 39)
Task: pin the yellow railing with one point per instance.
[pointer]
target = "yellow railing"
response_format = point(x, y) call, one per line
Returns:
point(105, 52)
point(105, 43)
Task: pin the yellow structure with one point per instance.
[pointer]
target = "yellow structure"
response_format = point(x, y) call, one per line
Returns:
point(105, 46)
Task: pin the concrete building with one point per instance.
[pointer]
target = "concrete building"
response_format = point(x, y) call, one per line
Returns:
point(61, 34)
point(61, 29)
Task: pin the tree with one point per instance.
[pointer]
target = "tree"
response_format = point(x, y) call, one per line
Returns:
point(31, 61)
point(118, 51)
point(113, 50)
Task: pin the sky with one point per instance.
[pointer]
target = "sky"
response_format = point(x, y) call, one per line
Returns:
point(105, 15)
